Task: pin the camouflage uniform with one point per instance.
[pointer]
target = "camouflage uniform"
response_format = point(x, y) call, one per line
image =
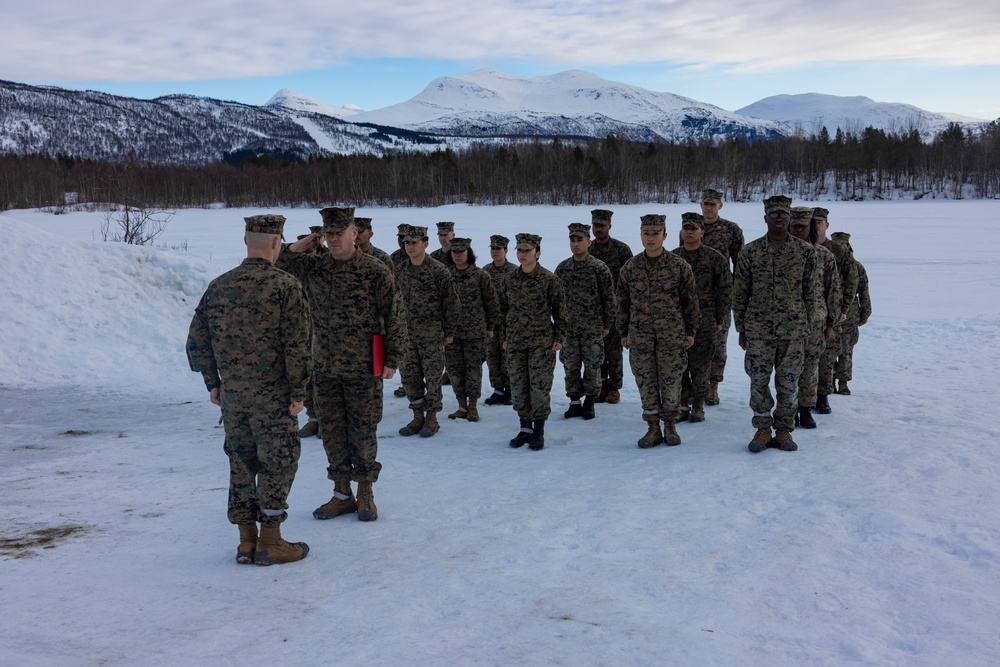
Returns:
point(312, 427)
point(432, 311)
point(827, 315)
point(657, 310)
point(398, 256)
point(534, 316)
point(249, 338)
point(479, 314)
point(591, 307)
point(776, 289)
point(442, 255)
point(847, 266)
point(715, 294)
point(615, 254)
point(857, 316)
point(496, 356)
point(380, 255)
point(352, 301)
point(726, 237)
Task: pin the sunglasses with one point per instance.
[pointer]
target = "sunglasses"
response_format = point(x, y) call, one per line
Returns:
point(778, 215)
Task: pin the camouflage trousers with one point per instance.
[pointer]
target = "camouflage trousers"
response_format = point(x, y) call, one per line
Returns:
point(809, 380)
point(263, 450)
point(586, 352)
point(784, 358)
point(496, 360)
point(658, 368)
point(421, 369)
point(531, 372)
point(700, 357)
point(613, 366)
point(827, 360)
point(718, 370)
point(464, 359)
point(843, 368)
point(350, 410)
point(309, 404)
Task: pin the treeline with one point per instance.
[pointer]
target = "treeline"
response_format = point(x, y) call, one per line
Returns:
point(872, 164)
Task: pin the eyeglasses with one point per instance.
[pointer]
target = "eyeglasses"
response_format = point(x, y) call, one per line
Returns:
point(778, 215)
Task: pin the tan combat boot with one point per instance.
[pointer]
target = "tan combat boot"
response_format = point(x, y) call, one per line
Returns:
point(697, 411)
point(366, 501)
point(613, 396)
point(415, 424)
point(670, 437)
point(337, 506)
point(842, 388)
point(713, 395)
point(473, 415)
point(248, 542)
point(431, 425)
point(653, 436)
point(761, 440)
point(783, 441)
point(463, 410)
point(272, 549)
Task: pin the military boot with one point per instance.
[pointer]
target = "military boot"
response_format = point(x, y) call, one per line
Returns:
point(473, 415)
point(431, 425)
point(523, 436)
point(415, 424)
point(670, 436)
point(463, 410)
point(496, 398)
point(537, 435)
point(399, 391)
point(575, 409)
point(684, 413)
point(613, 396)
point(783, 440)
point(248, 542)
point(603, 396)
point(310, 429)
point(653, 436)
point(842, 388)
point(823, 405)
point(713, 395)
point(697, 411)
point(588, 408)
point(342, 502)
point(804, 417)
point(366, 501)
point(272, 549)
point(507, 398)
point(761, 440)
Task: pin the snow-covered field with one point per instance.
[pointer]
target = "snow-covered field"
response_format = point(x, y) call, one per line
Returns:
point(877, 543)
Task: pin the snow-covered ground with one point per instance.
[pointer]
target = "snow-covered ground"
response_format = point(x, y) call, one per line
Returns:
point(877, 543)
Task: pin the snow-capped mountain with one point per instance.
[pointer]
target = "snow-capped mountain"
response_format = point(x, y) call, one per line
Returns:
point(289, 99)
point(573, 103)
point(177, 129)
point(810, 112)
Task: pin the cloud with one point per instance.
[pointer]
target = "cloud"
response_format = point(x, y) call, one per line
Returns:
point(185, 40)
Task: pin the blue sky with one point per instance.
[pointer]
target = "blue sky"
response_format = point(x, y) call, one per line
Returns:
point(382, 52)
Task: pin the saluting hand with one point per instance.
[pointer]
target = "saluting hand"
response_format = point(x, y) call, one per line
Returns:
point(302, 244)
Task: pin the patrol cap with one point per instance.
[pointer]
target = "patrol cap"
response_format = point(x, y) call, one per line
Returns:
point(499, 241)
point(710, 195)
point(778, 203)
point(801, 216)
point(401, 229)
point(315, 229)
point(363, 224)
point(601, 215)
point(460, 244)
point(415, 234)
point(653, 222)
point(696, 220)
point(820, 213)
point(445, 227)
point(336, 219)
point(841, 236)
point(579, 229)
point(269, 223)
point(528, 241)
